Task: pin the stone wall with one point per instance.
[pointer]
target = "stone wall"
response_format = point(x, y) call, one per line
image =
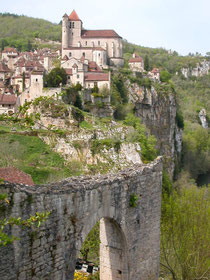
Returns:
point(76, 204)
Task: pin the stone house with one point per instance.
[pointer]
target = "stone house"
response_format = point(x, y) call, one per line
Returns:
point(4, 71)
point(17, 82)
point(136, 63)
point(9, 53)
point(154, 75)
point(7, 103)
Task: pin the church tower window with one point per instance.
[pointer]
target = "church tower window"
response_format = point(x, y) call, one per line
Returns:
point(72, 24)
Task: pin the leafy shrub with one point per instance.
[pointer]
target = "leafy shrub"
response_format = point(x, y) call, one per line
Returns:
point(97, 145)
point(147, 143)
point(165, 76)
point(133, 200)
point(56, 77)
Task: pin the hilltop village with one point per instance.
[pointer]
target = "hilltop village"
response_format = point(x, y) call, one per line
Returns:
point(87, 56)
point(98, 132)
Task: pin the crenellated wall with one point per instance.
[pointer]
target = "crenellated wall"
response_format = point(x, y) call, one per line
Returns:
point(130, 236)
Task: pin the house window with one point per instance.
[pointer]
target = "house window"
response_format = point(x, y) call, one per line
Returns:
point(95, 84)
point(36, 80)
point(99, 54)
point(99, 43)
point(83, 54)
point(70, 54)
point(85, 43)
point(72, 24)
point(77, 76)
point(68, 77)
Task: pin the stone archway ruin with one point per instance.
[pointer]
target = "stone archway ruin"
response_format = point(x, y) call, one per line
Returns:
point(130, 235)
point(113, 252)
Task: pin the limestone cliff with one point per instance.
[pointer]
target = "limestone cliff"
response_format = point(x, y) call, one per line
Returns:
point(157, 109)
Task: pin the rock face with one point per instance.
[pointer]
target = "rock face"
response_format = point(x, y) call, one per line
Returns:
point(130, 235)
point(199, 70)
point(202, 116)
point(158, 112)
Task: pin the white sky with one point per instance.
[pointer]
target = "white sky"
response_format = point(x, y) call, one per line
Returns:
point(181, 25)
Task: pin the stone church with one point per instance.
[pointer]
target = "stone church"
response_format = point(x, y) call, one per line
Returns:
point(104, 47)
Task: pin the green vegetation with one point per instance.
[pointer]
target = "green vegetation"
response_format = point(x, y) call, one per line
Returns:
point(72, 96)
point(185, 232)
point(90, 247)
point(140, 135)
point(56, 77)
point(97, 145)
point(133, 200)
point(31, 155)
point(21, 31)
point(161, 58)
point(165, 76)
point(196, 147)
point(34, 220)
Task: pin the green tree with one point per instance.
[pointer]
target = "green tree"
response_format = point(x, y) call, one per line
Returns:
point(146, 63)
point(90, 247)
point(56, 77)
point(165, 76)
point(185, 234)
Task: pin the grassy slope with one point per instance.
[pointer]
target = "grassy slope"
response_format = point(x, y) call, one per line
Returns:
point(31, 155)
point(18, 30)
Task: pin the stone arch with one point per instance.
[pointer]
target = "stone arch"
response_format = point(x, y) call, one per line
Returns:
point(113, 251)
point(114, 263)
point(76, 204)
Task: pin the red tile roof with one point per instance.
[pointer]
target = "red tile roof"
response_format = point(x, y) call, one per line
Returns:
point(68, 71)
point(99, 34)
point(155, 70)
point(4, 67)
point(92, 66)
point(136, 58)
point(96, 76)
point(65, 57)
point(8, 99)
point(9, 50)
point(13, 175)
point(73, 16)
point(75, 66)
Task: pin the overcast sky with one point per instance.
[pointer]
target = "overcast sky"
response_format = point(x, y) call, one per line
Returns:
point(181, 25)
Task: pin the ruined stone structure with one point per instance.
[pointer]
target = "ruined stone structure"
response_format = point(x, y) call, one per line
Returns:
point(130, 236)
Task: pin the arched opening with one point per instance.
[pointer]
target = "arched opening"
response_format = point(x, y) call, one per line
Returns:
point(103, 254)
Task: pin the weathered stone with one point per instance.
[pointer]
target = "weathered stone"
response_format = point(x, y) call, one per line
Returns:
point(129, 235)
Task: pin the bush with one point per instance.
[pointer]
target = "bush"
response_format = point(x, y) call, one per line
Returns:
point(56, 77)
point(165, 76)
point(147, 143)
